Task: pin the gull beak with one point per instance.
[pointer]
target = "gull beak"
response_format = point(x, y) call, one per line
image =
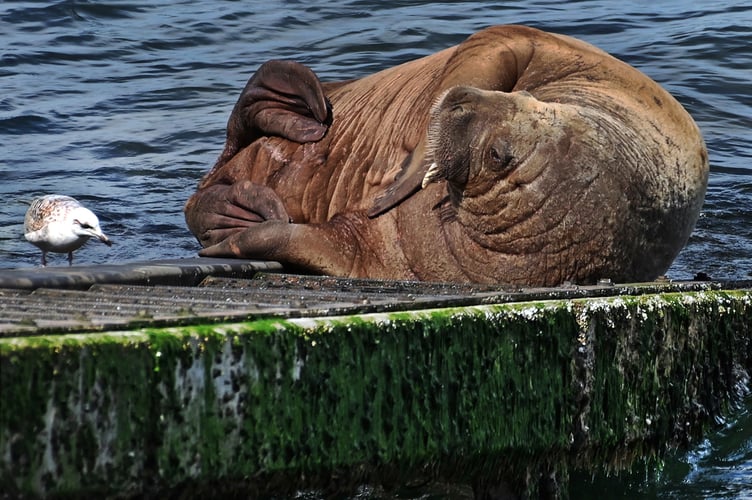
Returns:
point(98, 234)
point(104, 239)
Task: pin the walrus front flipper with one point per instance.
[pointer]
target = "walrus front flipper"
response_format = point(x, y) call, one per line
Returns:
point(283, 98)
point(408, 181)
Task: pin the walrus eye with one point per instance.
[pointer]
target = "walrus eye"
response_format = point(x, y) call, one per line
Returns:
point(500, 160)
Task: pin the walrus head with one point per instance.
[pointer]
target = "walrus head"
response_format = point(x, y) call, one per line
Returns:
point(462, 143)
point(526, 176)
point(490, 145)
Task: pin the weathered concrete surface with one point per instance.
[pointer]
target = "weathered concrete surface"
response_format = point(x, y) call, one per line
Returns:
point(514, 393)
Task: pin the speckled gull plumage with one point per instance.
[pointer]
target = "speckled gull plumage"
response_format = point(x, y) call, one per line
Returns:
point(60, 224)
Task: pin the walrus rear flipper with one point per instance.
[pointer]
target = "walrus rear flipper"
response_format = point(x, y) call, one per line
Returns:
point(407, 183)
point(283, 98)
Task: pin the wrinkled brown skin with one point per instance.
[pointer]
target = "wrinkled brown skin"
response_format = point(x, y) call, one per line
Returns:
point(554, 162)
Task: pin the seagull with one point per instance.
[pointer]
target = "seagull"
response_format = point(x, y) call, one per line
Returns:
point(60, 224)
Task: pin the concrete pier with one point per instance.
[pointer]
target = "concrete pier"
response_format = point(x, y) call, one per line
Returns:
point(236, 383)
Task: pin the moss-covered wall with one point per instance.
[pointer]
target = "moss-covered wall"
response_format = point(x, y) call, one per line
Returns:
point(476, 394)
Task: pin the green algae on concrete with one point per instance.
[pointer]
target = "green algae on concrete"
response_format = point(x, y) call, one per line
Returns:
point(513, 393)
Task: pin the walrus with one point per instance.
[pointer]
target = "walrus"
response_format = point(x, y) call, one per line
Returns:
point(516, 157)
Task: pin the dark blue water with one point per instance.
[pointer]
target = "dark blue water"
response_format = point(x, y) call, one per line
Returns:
point(123, 105)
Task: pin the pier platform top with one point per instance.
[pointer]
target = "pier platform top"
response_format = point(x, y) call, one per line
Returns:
point(185, 291)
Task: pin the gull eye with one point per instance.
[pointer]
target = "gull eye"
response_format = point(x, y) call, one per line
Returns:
point(84, 225)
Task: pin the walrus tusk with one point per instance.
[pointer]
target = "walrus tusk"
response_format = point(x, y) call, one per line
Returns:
point(434, 174)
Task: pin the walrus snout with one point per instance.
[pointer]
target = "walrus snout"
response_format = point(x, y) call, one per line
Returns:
point(450, 115)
